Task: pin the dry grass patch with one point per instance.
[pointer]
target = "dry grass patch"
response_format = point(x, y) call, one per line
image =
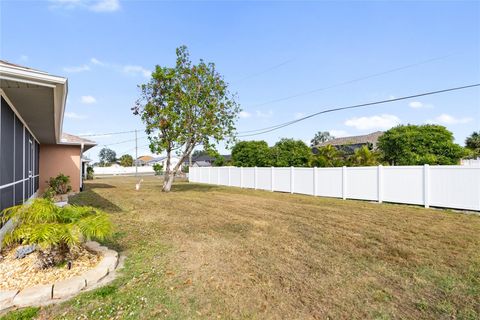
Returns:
point(216, 252)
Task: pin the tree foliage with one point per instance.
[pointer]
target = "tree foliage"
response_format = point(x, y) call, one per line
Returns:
point(251, 154)
point(185, 106)
point(126, 160)
point(290, 152)
point(417, 145)
point(328, 156)
point(473, 144)
point(363, 157)
point(107, 156)
point(320, 137)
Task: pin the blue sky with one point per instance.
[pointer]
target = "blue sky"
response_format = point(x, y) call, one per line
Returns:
point(266, 50)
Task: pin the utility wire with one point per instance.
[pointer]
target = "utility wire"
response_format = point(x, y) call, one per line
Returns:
point(105, 134)
point(351, 81)
point(125, 141)
point(282, 125)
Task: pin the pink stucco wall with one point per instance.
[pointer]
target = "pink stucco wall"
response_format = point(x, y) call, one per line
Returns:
point(55, 159)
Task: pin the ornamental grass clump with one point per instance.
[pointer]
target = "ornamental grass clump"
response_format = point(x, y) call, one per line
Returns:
point(54, 230)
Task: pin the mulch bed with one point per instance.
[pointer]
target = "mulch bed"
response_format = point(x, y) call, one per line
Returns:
point(17, 274)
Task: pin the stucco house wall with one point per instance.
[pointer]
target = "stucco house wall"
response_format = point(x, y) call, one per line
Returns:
point(55, 159)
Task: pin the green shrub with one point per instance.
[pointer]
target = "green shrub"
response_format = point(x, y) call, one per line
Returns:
point(90, 173)
point(53, 229)
point(158, 168)
point(60, 184)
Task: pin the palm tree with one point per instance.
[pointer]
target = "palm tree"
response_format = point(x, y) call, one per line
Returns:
point(54, 230)
point(364, 157)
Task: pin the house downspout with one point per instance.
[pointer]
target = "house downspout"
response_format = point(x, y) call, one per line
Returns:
point(81, 167)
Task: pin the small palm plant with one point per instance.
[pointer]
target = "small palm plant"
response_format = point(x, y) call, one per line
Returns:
point(53, 229)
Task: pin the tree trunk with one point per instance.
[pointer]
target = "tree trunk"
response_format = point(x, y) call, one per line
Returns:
point(168, 176)
point(167, 181)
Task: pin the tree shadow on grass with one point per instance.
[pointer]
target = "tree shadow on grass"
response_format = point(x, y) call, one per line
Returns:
point(89, 197)
point(189, 187)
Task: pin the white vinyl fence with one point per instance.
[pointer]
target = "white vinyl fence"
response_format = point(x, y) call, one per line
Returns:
point(456, 187)
point(116, 170)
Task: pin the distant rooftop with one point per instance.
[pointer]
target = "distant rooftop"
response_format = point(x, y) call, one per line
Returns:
point(364, 139)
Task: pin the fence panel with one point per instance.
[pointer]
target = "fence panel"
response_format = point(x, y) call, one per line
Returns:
point(329, 182)
point(249, 178)
point(362, 183)
point(264, 178)
point(223, 176)
point(303, 180)
point(403, 184)
point(455, 187)
point(214, 175)
point(235, 177)
point(281, 180)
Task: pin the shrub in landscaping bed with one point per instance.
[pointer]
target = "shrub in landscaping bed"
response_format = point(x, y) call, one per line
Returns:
point(55, 230)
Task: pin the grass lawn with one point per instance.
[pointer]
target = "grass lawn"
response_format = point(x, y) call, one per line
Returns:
point(212, 252)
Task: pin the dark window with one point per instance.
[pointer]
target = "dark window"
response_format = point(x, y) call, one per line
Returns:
point(6, 197)
point(37, 158)
point(18, 150)
point(19, 193)
point(6, 144)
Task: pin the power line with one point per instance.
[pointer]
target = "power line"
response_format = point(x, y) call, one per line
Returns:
point(282, 125)
point(125, 141)
point(105, 134)
point(351, 81)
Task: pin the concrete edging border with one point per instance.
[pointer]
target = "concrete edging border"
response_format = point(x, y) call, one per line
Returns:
point(65, 289)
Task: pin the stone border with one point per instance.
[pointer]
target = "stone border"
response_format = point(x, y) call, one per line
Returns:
point(65, 289)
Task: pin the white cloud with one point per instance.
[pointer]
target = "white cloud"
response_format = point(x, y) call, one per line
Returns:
point(73, 115)
point(97, 62)
point(338, 133)
point(262, 114)
point(82, 68)
point(419, 105)
point(134, 70)
point(105, 6)
point(88, 99)
point(244, 114)
point(92, 5)
point(298, 115)
point(380, 122)
point(448, 119)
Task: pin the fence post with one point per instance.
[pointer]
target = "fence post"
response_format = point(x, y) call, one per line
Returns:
point(380, 183)
point(218, 176)
point(255, 178)
point(241, 177)
point(209, 175)
point(292, 178)
point(315, 181)
point(271, 178)
point(426, 185)
point(229, 176)
point(344, 182)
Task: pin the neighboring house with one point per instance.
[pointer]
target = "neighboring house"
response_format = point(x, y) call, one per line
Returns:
point(33, 147)
point(350, 144)
point(163, 161)
point(142, 160)
point(206, 160)
point(201, 163)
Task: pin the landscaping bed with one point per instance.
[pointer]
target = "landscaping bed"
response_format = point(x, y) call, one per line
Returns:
point(18, 274)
